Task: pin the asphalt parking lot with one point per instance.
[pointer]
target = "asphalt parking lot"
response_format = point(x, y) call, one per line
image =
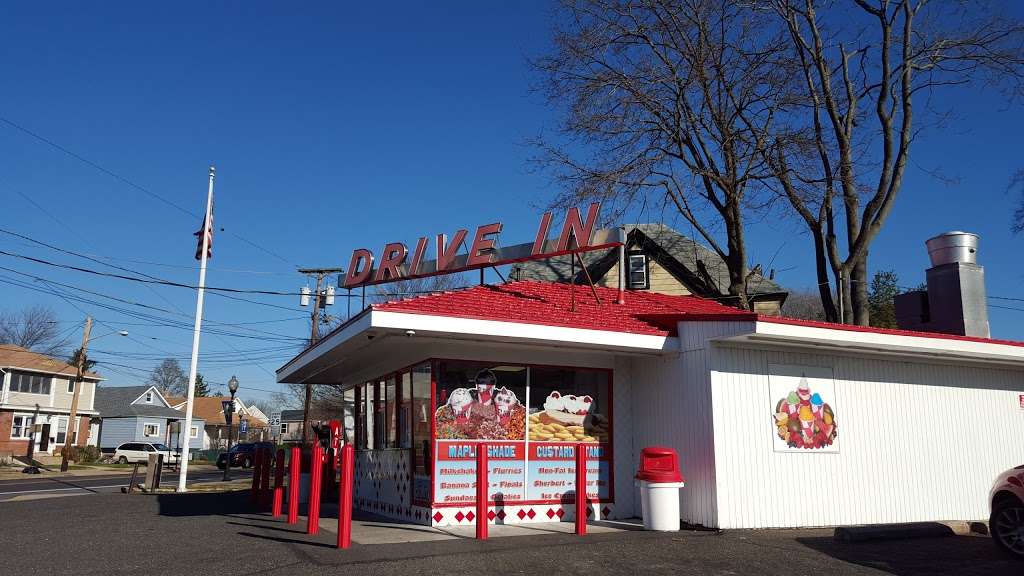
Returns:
point(218, 533)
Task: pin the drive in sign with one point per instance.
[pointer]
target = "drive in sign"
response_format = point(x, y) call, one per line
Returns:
point(578, 234)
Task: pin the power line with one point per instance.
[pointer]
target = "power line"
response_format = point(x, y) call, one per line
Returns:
point(130, 183)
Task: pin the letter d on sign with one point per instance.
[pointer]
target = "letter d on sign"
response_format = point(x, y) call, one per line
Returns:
point(359, 267)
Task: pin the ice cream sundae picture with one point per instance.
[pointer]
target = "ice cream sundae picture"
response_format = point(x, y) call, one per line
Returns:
point(804, 420)
point(484, 412)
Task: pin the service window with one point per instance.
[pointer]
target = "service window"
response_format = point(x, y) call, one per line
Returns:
point(404, 409)
point(569, 405)
point(390, 412)
point(480, 401)
point(420, 417)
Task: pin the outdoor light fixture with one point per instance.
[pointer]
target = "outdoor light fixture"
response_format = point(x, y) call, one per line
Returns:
point(229, 410)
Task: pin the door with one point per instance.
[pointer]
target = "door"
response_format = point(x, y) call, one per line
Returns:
point(44, 439)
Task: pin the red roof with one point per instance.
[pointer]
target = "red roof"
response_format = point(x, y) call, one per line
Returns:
point(549, 303)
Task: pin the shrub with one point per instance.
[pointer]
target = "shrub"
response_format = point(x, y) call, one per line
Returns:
point(85, 454)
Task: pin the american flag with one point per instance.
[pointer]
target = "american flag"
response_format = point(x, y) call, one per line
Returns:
point(209, 235)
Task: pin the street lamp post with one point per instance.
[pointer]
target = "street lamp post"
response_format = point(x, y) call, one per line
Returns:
point(229, 412)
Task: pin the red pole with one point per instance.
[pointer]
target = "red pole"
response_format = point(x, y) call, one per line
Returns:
point(295, 469)
point(348, 457)
point(265, 478)
point(581, 489)
point(254, 492)
point(278, 483)
point(481, 491)
point(331, 464)
point(316, 470)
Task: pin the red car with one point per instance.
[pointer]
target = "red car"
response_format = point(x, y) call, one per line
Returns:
point(1006, 523)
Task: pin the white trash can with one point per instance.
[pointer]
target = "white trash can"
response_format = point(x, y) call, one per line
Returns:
point(659, 505)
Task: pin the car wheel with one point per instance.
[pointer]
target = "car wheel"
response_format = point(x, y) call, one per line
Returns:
point(247, 462)
point(122, 460)
point(1006, 525)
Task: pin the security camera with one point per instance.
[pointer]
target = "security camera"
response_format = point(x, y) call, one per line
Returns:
point(410, 333)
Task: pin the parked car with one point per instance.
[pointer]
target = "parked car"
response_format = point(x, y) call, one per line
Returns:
point(140, 451)
point(243, 454)
point(1006, 523)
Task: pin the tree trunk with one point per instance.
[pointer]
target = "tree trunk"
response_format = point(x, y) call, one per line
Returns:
point(824, 285)
point(859, 287)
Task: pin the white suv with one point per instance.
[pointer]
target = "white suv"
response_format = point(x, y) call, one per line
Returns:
point(1006, 524)
point(140, 451)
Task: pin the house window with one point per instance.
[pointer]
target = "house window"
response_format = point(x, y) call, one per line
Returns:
point(284, 428)
point(62, 430)
point(151, 430)
point(639, 272)
point(30, 383)
point(71, 386)
point(149, 397)
point(193, 432)
point(21, 427)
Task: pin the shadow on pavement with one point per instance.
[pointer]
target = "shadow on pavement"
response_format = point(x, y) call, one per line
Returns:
point(205, 504)
point(920, 557)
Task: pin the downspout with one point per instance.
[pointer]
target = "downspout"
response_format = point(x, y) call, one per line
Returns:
point(622, 266)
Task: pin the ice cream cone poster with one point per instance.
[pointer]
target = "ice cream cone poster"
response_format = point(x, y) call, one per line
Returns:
point(803, 415)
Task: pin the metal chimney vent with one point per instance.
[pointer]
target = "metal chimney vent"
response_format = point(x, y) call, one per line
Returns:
point(955, 302)
point(953, 247)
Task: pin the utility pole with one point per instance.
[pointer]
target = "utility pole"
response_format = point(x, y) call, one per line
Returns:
point(320, 301)
point(71, 434)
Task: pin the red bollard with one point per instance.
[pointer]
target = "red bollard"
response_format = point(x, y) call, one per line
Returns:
point(256, 463)
point(581, 489)
point(278, 483)
point(331, 470)
point(265, 479)
point(482, 485)
point(345, 493)
point(316, 470)
point(295, 469)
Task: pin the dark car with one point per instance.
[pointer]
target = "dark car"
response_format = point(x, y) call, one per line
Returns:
point(243, 455)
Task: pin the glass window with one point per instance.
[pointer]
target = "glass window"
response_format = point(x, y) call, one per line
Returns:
point(21, 427)
point(569, 405)
point(420, 417)
point(151, 430)
point(480, 401)
point(348, 414)
point(370, 403)
point(193, 432)
point(390, 409)
point(638, 272)
point(62, 430)
point(284, 428)
point(71, 386)
point(149, 397)
point(404, 409)
point(30, 383)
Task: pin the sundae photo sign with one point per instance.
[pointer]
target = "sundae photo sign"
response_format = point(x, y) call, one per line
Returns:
point(803, 413)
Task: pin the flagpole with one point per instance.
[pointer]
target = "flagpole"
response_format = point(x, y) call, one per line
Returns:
point(187, 432)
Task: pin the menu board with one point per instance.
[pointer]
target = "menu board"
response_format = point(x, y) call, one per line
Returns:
point(552, 470)
point(548, 474)
point(455, 473)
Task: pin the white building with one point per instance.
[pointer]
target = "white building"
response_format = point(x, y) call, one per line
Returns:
point(777, 422)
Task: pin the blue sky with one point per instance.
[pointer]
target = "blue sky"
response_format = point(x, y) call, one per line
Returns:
point(335, 127)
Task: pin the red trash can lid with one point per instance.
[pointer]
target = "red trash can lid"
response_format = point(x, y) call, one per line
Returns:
point(659, 464)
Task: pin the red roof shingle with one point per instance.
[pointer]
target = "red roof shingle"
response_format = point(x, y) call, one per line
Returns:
point(550, 304)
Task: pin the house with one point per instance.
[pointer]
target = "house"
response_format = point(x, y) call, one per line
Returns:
point(35, 402)
point(140, 414)
point(660, 260)
point(210, 410)
point(290, 429)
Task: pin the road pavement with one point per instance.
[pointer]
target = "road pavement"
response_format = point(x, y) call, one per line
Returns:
point(220, 534)
point(33, 487)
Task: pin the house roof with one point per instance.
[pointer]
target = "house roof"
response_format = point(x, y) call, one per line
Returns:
point(116, 402)
point(209, 409)
point(697, 266)
point(12, 356)
point(314, 415)
point(550, 303)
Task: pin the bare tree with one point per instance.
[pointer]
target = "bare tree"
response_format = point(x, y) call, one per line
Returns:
point(169, 378)
point(668, 101)
point(33, 328)
point(864, 68)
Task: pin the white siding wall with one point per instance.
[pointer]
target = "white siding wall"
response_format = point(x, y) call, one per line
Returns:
point(918, 441)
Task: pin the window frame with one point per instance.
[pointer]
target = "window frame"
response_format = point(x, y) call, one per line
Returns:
point(149, 397)
point(26, 426)
point(146, 425)
point(193, 433)
point(646, 284)
point(71, 385)
point(17, 384)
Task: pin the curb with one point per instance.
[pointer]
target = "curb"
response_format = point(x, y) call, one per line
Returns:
point(909, 531)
